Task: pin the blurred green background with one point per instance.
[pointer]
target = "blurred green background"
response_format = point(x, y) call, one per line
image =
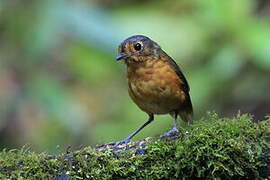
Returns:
point(60, 85)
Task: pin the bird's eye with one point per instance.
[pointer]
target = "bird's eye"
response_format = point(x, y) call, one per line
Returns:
point(137, 46)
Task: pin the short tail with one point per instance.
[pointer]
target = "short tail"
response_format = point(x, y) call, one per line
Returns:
point(186, 112)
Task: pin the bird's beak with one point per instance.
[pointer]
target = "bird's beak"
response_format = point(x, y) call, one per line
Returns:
point(122, 56)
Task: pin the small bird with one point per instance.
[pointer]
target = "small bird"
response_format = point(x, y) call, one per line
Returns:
point(155, 82)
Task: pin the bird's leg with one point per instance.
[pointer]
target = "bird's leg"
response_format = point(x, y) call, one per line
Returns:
point(174, 131)
point(127, 139)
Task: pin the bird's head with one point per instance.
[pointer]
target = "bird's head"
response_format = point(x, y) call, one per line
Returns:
point(137, 49)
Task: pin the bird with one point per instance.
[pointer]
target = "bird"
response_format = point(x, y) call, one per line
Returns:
point(155, 82)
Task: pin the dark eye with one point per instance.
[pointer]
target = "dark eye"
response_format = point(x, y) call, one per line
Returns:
point(137, 46)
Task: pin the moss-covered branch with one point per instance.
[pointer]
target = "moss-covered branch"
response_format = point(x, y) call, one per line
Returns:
point(210, 148)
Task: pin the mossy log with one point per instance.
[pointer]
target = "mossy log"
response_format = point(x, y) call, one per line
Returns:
point(210, 148)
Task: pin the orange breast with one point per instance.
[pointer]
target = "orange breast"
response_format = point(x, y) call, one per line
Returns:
point(155, 87)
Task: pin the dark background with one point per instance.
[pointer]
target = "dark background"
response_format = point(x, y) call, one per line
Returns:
point(60, 84)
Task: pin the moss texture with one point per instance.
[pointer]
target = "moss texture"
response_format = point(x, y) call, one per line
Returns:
point(211, 148)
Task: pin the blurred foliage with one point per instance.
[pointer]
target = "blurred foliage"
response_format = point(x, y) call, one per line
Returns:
point(60, 84)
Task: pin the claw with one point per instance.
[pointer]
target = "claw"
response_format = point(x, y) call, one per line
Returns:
point(171, 133)
point(125, 141)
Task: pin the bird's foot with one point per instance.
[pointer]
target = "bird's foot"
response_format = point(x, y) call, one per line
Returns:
point(171, 133)
point(125, 141)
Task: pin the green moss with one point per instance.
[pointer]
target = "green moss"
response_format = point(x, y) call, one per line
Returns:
point(212, 148)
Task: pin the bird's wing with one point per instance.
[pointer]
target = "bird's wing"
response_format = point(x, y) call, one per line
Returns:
point(179, 73)
point(186, 112)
